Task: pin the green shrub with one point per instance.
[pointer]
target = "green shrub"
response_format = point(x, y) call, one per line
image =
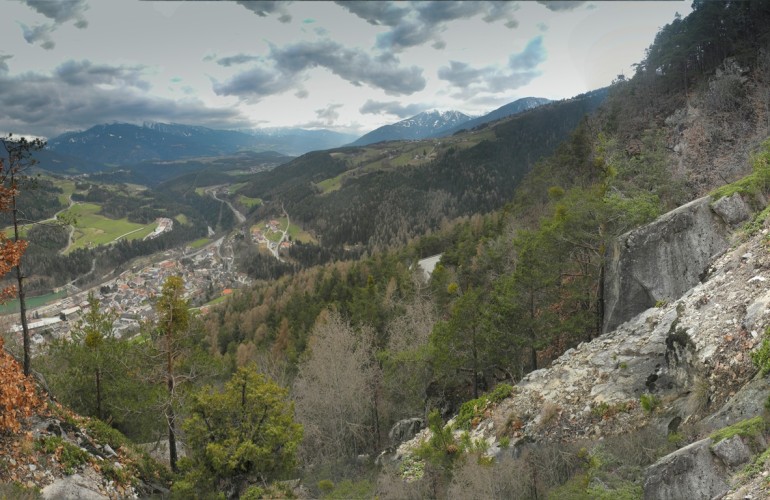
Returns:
point(104, 433)
point(350, 489)
point(500, 392)
point(70, 455)
point(474, 409)
point(649, 402)
point(325, 486)
point(752, 428)
point(761, 357)
point(754, 184)
point(16, 491)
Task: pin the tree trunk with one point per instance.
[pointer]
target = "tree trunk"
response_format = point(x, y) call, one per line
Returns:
point(20, 284)
point(600, 302)
point(170, 416)
point(99, 394)
point(172, 457)
point(532, 332)
point(475, 368)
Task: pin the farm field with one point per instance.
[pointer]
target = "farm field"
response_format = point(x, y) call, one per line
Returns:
point(92, 229)
point(295, 232)
point(248, 202)
point(199, 243)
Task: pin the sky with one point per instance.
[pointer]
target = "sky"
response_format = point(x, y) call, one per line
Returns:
point(67, 65)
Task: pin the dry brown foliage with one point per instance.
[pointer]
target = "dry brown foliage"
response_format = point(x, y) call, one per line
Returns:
point(18, 398)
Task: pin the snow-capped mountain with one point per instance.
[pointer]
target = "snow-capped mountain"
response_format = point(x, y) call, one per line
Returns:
point(512, 108)
point(421, 126)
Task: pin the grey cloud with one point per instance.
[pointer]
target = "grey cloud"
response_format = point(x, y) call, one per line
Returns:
point(48, 104)
point(353, 65)
point(460, 74)
point(560, 5)
point(439, 44)
point(61, 11)
point(433, 13)
point(87, 73)
point(502, 10)
point(503, 82)
point(4, 65)
point(301, 94)
point(266, 8)
point(406, 34)
point(416, 23)
point(286, 66)
point(328, 115)
point(255, 82)
point(236, 59)
point(377, 13)
point(392, 108)
point(520, 71)
point(40, 33)
point(532, 55)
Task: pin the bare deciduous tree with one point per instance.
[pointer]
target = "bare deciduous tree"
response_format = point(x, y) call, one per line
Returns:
point(335, 391)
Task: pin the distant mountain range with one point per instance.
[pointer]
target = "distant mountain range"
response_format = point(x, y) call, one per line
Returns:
point(120, 144)
point(438, 124)
point(298, 141)
point(421, 126)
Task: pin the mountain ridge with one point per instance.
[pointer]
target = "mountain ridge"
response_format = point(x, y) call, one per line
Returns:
point(420, 126)
point(125, 144)
point(512, 108)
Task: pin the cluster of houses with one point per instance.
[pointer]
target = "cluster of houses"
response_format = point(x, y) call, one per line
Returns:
point(131, 295)
point(259, 235)
point(164, 225)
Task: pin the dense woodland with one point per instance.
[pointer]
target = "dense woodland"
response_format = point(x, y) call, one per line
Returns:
point(359, 342)
point(388, 207)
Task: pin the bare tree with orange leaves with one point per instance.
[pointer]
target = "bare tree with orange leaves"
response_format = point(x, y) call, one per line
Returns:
point(17, 160)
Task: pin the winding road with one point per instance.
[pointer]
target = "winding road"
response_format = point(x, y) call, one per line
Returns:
point(213, 192)
point(274, 249)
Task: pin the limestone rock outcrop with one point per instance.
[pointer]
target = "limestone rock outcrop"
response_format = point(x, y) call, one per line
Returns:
point(659, 262)
point(690, 472)
point(684, 360)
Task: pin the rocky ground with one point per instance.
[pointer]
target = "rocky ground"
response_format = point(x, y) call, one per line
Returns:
point(63, 455)
point(683, 366)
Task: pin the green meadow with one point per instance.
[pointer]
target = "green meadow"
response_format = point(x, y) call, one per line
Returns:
point(92, 229)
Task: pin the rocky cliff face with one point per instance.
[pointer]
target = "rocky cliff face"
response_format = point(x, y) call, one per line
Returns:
point(661, 261)
point(685, 362)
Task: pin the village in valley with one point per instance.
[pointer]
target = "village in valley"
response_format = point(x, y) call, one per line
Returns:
point(208, 274)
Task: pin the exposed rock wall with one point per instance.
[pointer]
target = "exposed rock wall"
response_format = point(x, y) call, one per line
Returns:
point(662, 260)
point(692, 355)
point(690, 472)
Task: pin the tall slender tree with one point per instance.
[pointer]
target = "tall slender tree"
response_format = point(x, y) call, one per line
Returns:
point(172, 326)
point(19, 159)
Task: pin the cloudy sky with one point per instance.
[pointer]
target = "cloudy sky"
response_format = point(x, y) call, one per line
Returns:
point(348, 66)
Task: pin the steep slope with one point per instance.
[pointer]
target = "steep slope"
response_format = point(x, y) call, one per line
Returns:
point(47, 447)
point(682, 368)
point(421, 126)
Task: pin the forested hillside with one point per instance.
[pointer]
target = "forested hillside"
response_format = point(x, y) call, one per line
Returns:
point(345, 359)
point(388, 206)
